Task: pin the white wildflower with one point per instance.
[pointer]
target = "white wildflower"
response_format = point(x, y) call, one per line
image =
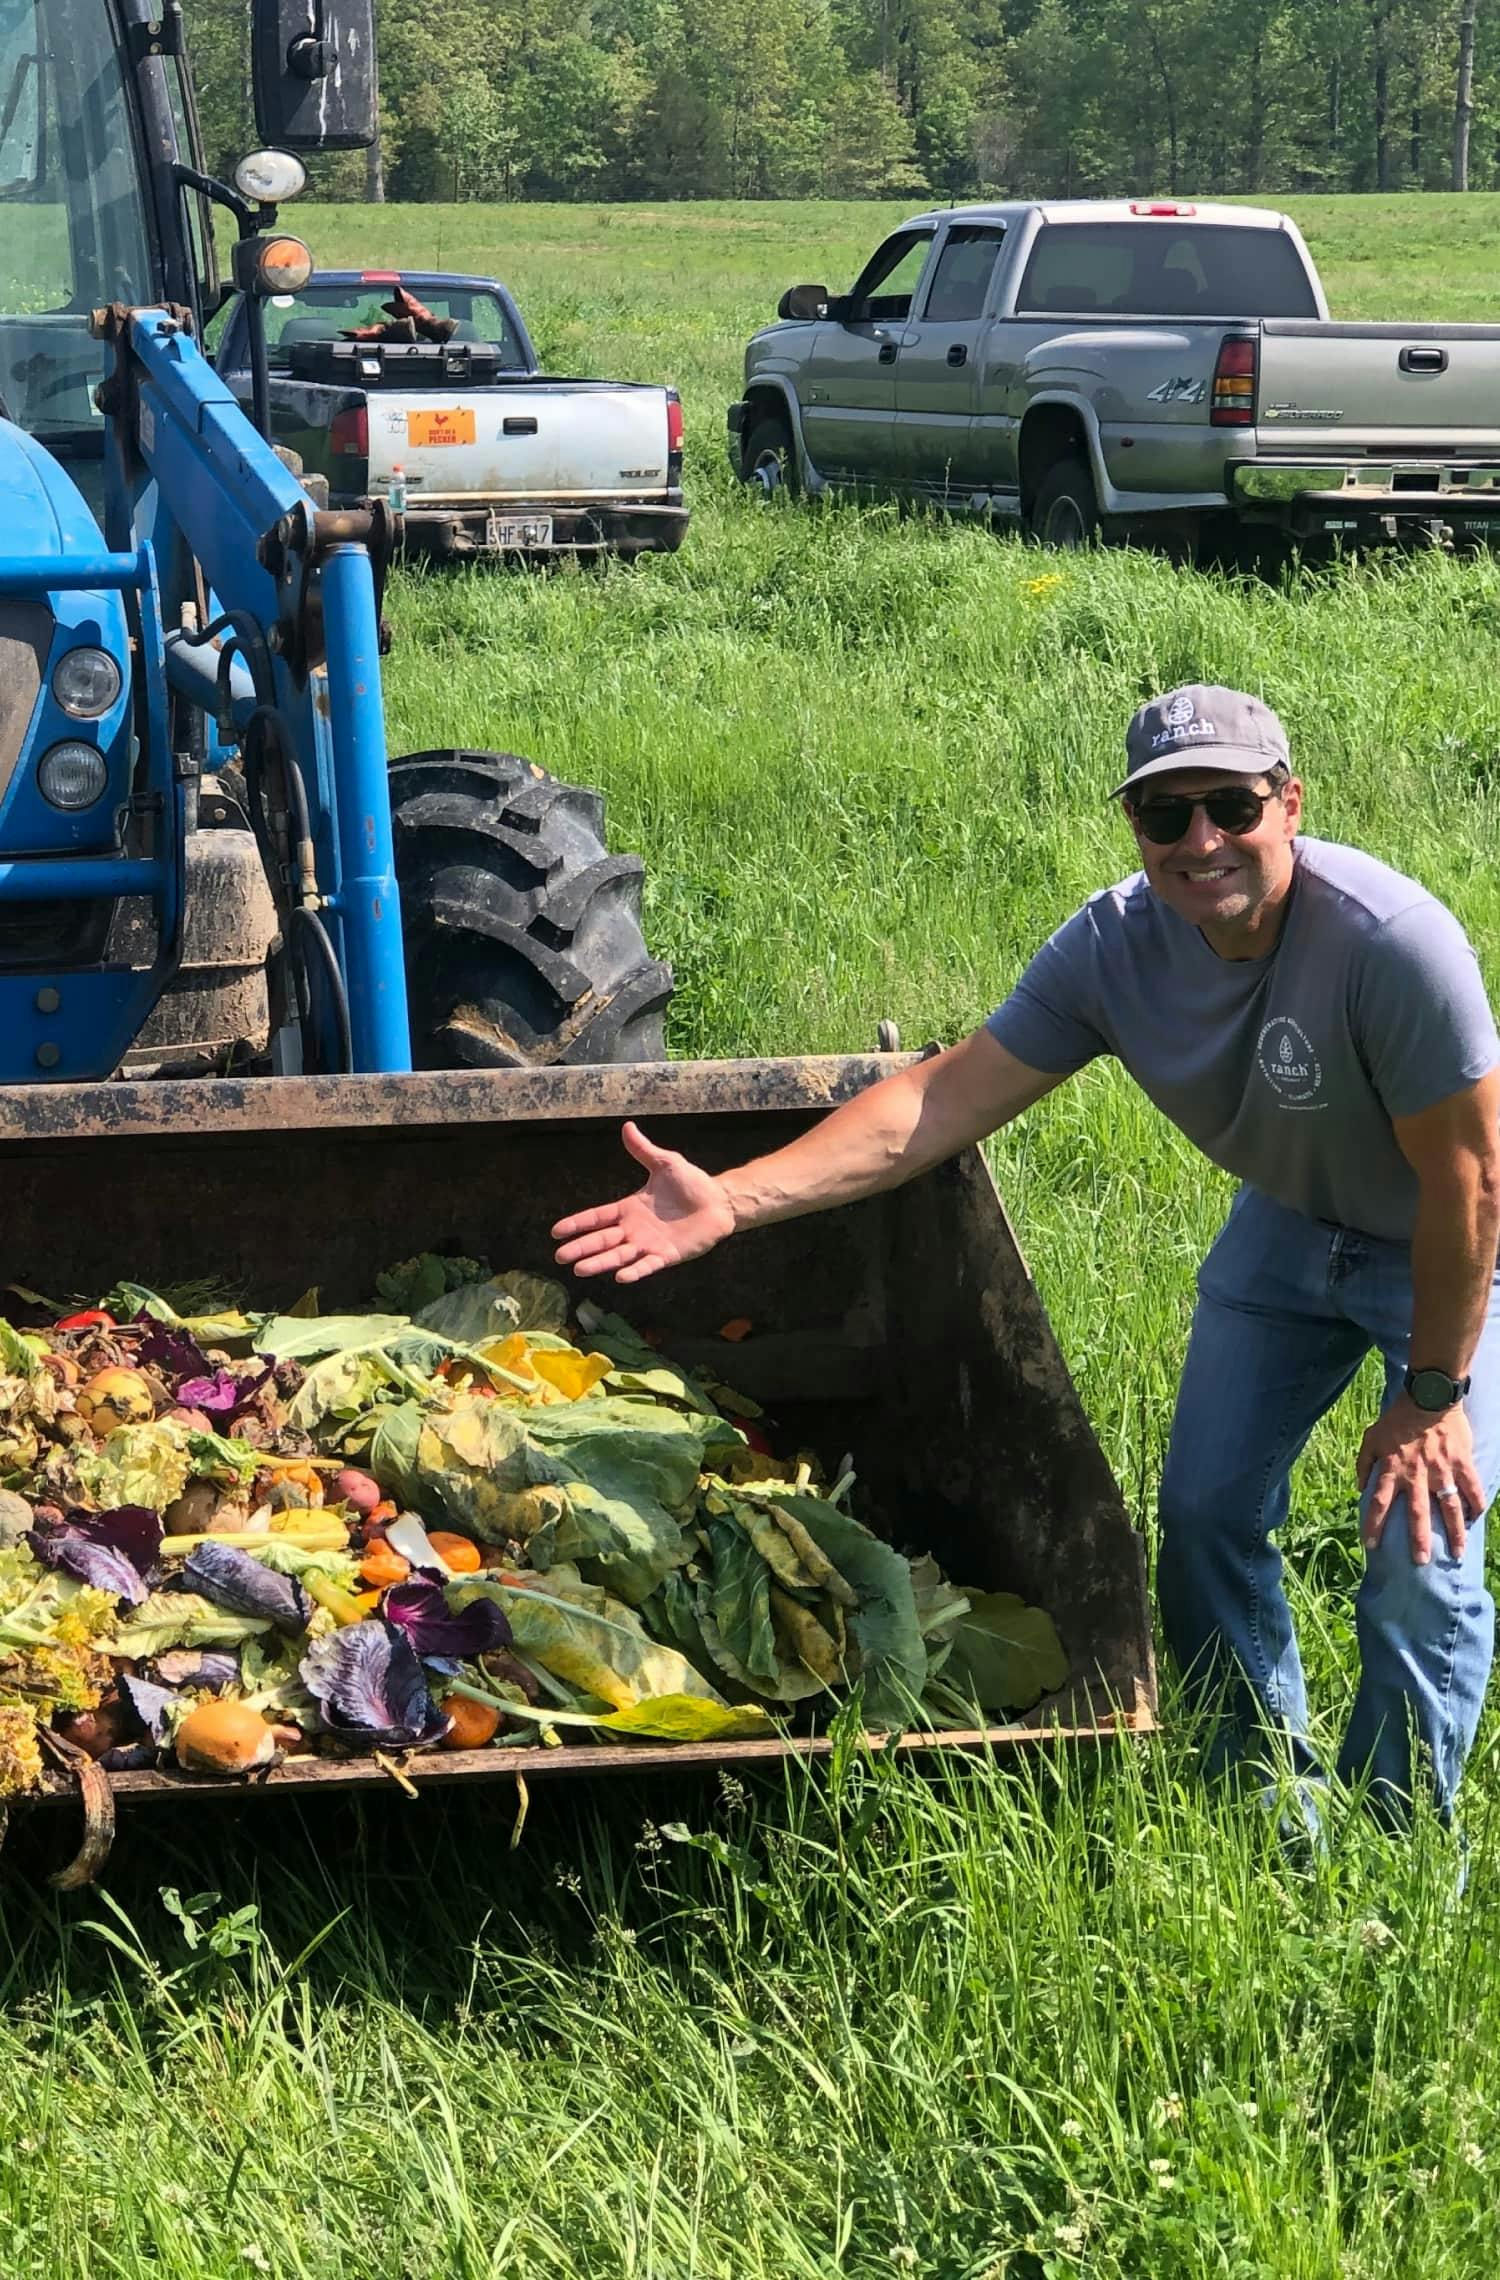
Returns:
point(1166, 2113)
point(1072, 2127)
point(1474, 2155)
point(1070, 2237)
point(1375, 1935)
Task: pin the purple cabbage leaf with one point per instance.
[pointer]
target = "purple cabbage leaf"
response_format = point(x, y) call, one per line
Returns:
point(370, 1688)
point(220, 1393)
point(149, 1704)
point(420, 1610)
point(197, 1670)
point(133, 1529)
point(171, 1350)
point(233, 1579)
point(69, 1550)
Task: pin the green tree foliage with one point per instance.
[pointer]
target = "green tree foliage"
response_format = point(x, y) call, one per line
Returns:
point(503, 99)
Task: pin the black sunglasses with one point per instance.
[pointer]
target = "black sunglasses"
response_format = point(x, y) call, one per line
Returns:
point(1168, 816)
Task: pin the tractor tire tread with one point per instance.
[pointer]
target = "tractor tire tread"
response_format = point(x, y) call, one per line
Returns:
point(524, 943)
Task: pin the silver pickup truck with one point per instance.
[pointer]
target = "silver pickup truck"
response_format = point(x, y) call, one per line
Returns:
point(1123, 369)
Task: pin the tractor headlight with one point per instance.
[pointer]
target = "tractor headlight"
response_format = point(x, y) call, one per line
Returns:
point(86, 683)
point(269, 177)
point(72, 776)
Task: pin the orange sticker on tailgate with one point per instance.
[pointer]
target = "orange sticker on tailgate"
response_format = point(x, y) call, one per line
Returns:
point(456, 426)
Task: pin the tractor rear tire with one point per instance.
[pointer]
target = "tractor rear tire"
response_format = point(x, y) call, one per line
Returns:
point(523, 933)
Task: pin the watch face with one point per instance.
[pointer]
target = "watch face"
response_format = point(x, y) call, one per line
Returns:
point(1433, 1389)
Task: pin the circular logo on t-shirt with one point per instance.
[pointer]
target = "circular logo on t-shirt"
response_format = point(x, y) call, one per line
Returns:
point(1288, 1063)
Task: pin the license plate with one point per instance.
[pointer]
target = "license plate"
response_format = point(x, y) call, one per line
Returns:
point(518, 530)
point(455, 426)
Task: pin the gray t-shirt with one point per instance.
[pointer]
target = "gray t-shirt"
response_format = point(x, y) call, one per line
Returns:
point(1286, 1070)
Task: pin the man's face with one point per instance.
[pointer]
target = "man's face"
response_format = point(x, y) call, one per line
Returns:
point(1220, 880)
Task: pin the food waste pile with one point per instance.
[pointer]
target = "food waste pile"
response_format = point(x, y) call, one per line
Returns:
point(467, 1518)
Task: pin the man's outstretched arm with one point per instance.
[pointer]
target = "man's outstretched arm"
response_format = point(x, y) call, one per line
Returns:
point(884, 1136)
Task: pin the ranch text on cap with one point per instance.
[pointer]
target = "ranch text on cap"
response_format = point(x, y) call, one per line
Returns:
point(1206, 727)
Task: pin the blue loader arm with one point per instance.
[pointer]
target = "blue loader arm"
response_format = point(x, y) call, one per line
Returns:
point(223, 497)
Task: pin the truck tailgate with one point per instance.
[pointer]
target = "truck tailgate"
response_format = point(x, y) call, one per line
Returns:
point(1434, 389)
point(548, 439)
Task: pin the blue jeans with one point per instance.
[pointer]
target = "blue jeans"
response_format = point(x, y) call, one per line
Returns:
point(1287, 1309)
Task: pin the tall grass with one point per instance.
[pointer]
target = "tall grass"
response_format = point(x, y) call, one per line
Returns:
point(1064, 2017)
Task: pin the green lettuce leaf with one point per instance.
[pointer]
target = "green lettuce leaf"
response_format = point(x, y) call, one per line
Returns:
point(889, 1653)
point(182, 1619)
point(271, 1682)
point(19, 1356)
point(594, 1642)
point(1004, 1653)
point(138, 1464)
point(493, 1309)
point(739, 1603)
point(629, 1471)
point(229, 1461)
point(689, 1718)
point(342, 1386)
point(302, 1338)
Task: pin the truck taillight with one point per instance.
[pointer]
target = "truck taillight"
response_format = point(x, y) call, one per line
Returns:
point(1160, 208)
point(674, 438)
point(1232, 402)
point(349, 433)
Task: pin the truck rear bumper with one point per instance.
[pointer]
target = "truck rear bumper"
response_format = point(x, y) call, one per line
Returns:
point(547, 527)
point(1312, 496)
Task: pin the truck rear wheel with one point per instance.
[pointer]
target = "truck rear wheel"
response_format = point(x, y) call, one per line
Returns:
point(1065, 511)
point(523, 933)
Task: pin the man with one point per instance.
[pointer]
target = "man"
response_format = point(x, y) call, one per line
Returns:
point(1317, 1025)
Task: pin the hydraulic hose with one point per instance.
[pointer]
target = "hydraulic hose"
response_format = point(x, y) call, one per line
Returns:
point(291, 871)
point(307, 919)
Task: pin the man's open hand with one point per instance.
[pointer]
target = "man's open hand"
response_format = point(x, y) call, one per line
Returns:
point(680, 1213)
point(1410, 1452)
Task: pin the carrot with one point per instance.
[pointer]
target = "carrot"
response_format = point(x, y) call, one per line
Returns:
point(474, 1724)
point(460, 1553)
point(382, 1567)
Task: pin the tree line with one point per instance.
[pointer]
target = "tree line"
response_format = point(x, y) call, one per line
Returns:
point(625, 99)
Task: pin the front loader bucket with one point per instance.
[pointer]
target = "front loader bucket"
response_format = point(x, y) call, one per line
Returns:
point(904, 1332)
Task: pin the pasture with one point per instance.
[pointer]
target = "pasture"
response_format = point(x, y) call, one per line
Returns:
point(1009, 2024)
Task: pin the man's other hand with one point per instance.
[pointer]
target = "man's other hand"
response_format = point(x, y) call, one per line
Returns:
point(1430, 1461)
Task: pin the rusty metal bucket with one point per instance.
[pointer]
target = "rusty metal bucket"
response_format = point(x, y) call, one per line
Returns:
point(904, 1331)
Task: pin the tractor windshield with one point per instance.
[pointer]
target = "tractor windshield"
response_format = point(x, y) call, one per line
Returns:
point(72, 222)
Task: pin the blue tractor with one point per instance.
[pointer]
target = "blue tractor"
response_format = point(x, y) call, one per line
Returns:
point(207, 862)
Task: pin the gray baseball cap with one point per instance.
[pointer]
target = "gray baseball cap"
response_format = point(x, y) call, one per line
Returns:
point(1202, 726)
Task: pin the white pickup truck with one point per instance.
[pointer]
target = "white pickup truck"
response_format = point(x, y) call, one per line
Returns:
point(456, 426)
point(1122, 369)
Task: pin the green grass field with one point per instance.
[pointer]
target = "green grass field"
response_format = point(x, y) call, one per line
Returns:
point(998, 2024)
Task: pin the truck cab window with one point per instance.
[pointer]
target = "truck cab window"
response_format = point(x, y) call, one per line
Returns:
point(883, 292)
point(961, 280)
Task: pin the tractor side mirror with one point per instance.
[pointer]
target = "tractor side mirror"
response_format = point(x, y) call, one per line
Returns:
point(805, 303)
point(313, 64)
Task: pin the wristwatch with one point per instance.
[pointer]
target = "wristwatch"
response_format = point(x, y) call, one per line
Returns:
point(1434, 1389)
